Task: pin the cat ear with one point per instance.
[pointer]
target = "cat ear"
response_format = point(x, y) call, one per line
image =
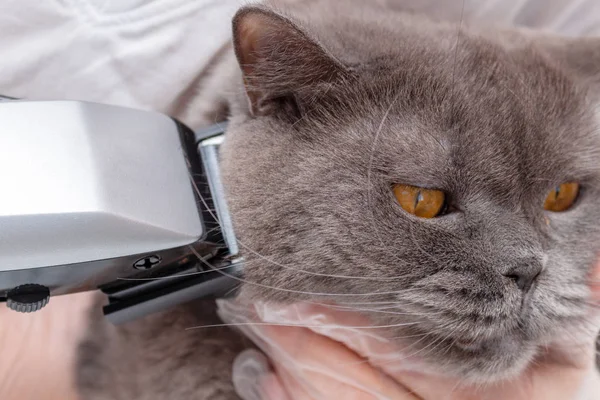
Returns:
point(281, 66)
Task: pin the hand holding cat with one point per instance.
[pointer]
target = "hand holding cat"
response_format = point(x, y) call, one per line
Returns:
point(322, 352)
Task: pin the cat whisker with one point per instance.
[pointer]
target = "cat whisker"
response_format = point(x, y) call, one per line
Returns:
point(318, 326)
point(380, 310)
point(370, 169)
point(418, 335)
point(386, 307)
point(428, 349)
point(369, 172)
point(158, 278)
point(350, 303)
point(232, 290)
point(366, 278)
point(247, 248)
point(402, 355)
point(220, 271)
point(439, 329)
point(450, 394)
point(575, 341)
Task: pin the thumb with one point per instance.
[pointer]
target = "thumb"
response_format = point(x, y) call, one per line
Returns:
point(250, 368)
point(577, 347)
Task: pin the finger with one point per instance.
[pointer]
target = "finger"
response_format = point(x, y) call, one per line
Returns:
point(346, 329)
point(343, 325)
point(249, 368)
point(576, 347)
point(324, 387)
point(244, 319)
point(297, 389)
point(302, 350)
point(328, 366)
point(273, 388)
point(253, 378)
point(324, 319)
point(39, 350)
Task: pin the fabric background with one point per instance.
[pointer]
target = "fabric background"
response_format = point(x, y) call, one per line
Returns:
point(146, 53)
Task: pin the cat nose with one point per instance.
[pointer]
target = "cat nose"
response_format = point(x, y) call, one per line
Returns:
point(525, 274)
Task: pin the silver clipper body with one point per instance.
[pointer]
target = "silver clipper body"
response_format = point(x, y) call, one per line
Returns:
point(102, 197)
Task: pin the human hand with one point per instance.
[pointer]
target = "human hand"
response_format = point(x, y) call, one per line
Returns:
point(39, 350)
point(318, 352)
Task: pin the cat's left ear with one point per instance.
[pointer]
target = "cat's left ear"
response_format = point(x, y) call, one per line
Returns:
point(282, 66)
point(580, 56)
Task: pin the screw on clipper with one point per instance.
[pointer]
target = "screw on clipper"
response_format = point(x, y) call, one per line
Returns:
point(147, 262)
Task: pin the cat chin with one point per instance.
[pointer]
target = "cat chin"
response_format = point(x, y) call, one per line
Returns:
point(495, 372)
point(476, 363)
point(492, 374)
point(465, 373)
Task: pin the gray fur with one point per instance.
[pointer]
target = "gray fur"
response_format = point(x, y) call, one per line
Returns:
point(348, 100)
point(158, 357)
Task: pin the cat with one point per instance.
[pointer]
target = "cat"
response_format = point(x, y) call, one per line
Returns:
point(378, 151)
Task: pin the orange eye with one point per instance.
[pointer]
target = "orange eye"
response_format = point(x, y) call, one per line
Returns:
point(424, 203)
point(562, 197)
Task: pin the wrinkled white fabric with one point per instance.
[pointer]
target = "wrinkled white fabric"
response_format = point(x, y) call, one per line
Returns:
point(145, 53)
point(567, 17)
point(136, 53)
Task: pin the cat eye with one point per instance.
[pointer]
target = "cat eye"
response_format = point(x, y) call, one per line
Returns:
point(424, 203)
point(562, 197)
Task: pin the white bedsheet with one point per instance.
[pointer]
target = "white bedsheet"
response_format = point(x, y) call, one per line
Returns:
point(140, 53)
point(145, 53)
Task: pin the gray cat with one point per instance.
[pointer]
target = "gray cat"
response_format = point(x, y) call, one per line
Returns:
point(378, 152)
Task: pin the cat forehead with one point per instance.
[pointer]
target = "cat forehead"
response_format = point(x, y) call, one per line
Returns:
point(541, 129)
point(485, 96)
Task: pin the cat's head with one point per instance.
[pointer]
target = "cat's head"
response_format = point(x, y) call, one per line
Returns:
point(346, 119)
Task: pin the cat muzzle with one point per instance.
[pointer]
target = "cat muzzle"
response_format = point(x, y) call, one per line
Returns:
point(99, 197)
